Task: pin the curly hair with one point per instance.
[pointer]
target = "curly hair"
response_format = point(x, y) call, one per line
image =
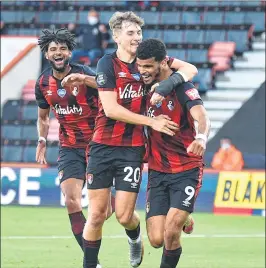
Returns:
point(150, 48)
point(57, 36)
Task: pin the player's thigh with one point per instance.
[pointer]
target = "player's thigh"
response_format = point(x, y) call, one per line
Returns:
point(100, 172)
point(184, 189)
point(71, 171)
point(175, 219)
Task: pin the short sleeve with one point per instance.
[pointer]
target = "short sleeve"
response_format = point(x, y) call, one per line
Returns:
point(188, 95)
point(40, 99)
point(105, 74)
point(88, 71)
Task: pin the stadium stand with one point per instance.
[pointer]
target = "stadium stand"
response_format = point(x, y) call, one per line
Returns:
point(213, 35)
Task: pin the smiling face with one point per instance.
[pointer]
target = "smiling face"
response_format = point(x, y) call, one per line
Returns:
point(128, 37)
point(149, 69)
point(58, 55)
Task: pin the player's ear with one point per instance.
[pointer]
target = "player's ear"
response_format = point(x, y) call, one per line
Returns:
point(46, 55)
point(70, 54)
point(164, 62)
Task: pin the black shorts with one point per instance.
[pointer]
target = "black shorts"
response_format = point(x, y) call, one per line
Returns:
point(167, 190)
point(71, 163)
point(120, 166)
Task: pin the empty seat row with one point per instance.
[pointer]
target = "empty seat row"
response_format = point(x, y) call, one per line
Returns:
point(18, 153)
point(150, 17)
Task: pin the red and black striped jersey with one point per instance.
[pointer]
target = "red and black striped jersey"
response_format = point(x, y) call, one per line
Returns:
point(169, 154)
point(75, 107)
point(124, 79)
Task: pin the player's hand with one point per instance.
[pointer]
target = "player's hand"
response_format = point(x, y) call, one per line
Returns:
point(73, 80)
point(41, 152)
point(163, 123)
point(197, 147)
point(155, 98)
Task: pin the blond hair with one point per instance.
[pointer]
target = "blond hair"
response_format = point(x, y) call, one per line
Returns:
point(118, 18)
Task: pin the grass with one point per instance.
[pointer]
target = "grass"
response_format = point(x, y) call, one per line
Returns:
point(241, 243)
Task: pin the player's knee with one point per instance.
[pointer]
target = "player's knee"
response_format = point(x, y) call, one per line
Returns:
point(96, 219)
point(173, 229)
point(124, 218)
point(73, 203)
point(156, 240)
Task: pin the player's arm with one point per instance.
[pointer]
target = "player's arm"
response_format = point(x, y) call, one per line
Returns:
point(106, 81)
point(185, 72)
point(87, 78)
point(42, 124)
point(188, 95)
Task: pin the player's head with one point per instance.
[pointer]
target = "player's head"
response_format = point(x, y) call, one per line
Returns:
point(57, 47)
point(151, 58)
point(126, 29)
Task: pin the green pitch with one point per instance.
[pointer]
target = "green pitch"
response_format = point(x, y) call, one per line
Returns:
point(29, 241)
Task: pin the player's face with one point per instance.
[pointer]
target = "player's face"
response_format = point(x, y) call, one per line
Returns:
point(58, 55)
point(149, 70)
point(129, 37)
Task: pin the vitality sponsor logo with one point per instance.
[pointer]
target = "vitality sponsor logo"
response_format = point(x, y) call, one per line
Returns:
point(68, 110)
point(129, 93)
point(150, 112)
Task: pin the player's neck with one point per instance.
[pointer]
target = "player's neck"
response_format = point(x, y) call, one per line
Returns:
point(61, 75)
point(165, 74)
point(124, 56)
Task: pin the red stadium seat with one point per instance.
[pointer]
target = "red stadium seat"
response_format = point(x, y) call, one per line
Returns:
point(222, 49)
point(221, 63)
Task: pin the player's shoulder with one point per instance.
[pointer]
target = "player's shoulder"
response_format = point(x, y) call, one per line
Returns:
point(77, 68)
point(46, 72)
point(106, 59)
point(185, 86)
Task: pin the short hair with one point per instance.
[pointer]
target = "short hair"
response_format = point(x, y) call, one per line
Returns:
point(57, 36)
point(118, 18)
point(150, 48)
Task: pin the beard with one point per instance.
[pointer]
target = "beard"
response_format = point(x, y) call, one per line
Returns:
point(60, 69)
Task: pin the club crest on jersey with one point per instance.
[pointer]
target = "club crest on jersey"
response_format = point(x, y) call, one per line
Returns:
point(61, 92)
point(49, 92)
point(170, 105)
point(136, 76)
point(89, 178)
point(122, 74)
point(75, 91)
point(158, 104)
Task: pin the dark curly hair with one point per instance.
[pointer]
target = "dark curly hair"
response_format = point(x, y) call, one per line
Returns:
point(150, 48)
point(57, 36)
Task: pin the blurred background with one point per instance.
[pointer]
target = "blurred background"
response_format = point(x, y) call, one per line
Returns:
point(224, 39)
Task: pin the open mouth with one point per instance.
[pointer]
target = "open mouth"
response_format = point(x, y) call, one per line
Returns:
point(146, 77)
point(59, 60)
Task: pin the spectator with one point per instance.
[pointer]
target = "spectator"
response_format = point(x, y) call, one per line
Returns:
point(93, 39)
point(228, 158)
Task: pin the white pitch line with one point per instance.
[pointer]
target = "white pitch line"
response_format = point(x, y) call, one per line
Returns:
point(123, 236)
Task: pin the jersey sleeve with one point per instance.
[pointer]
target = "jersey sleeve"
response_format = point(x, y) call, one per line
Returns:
point(40, 99)
point(88, 71)
point(105, 74)
point(188, 95)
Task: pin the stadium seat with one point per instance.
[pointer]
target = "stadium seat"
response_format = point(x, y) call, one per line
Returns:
point(173, 36)
point(47, 17)
point(52, 155)
point(170, 17)
point(222, 63)
point(28, 16)
point(29, 154)
point(191, 18)
point(29, 133)
point(240, 38)
point(213, 18)
point(11, 110)
point(11, 16)
point(177, 53)
point(11, 132)
point(196, 55)
point(28, 97)
point(234, 17)
point(256, 18)
point(153, 34)
point(204, 79)
point(13, 31)
point(194, 36)
point(225, 49)
point(105, 16)
point(66, 17)
point(30, 112)
point(149, 17)
point(214, 35)
point(12, 153)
